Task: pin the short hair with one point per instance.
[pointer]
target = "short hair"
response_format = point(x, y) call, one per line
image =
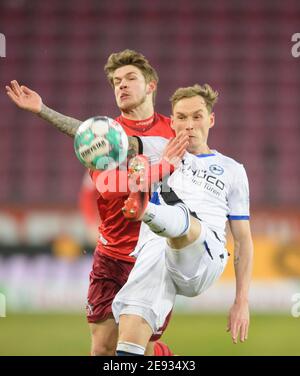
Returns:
point(130, 57)
point(209, 95)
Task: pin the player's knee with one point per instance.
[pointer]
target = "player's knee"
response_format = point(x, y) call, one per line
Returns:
point(103, 345)
point(103, 349)
point(134, 328)
point(104, 335)
point(190, 237)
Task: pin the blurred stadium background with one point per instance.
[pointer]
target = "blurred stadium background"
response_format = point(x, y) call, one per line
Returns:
point(59, 48)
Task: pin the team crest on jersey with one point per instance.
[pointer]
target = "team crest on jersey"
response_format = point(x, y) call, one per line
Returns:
point(217, 170)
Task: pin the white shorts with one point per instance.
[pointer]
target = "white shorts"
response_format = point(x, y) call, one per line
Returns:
point(160, 273)
point(196, 267)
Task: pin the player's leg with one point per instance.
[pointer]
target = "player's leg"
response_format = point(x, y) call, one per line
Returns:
point(132, 342)
point(164, 220)
point(102, 290)
point(104, 336)
point(196, 266)
point(106, 278)
point(144, 303)
point(134, 335)
point(193, 233)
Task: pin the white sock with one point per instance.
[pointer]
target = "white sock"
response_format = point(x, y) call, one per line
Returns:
point(167, 221)
point(130, 348)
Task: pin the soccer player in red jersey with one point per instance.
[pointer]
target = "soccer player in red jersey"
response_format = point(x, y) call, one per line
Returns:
point(134, 82)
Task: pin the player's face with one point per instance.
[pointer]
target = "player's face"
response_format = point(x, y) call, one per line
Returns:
point(130, 87)
point(191, 115)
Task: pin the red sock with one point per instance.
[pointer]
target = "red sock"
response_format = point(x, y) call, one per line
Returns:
point(161, 349)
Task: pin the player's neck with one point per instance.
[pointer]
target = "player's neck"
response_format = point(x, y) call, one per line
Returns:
point(201, 149)
point(142, 112)
point(137, 115)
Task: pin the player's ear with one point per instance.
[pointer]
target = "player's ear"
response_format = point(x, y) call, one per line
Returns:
point(152, 85)
point(212, 119)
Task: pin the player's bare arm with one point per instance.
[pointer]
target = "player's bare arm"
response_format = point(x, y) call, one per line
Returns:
point(239, 318)
point(30, 100)
point(65, 124)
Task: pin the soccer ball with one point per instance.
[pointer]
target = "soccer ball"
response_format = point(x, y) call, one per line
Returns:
point(100, 143)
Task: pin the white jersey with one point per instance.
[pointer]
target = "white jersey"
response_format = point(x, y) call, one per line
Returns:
point(213, 186)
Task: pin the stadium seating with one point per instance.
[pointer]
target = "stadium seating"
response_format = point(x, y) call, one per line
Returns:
point(59, 49)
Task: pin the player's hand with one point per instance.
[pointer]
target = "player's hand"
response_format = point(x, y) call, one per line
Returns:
point(175, 149)
point(24, 97)
point(238, 321)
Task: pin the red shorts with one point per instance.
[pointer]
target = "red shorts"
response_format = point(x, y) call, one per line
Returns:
point(107, 277)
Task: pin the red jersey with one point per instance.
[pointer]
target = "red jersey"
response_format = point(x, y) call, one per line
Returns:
point(118, 236)
point(88, 197)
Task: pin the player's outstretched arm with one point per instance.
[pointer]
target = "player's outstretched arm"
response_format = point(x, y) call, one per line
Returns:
point(29, 100)
point(114, 183)
point(63, 123)
point(239, 318)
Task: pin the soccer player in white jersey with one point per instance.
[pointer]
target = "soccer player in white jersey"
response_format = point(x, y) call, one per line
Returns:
point(181, 248)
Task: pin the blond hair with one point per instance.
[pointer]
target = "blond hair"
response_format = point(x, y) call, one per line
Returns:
point(209, 95)
point(130, 57)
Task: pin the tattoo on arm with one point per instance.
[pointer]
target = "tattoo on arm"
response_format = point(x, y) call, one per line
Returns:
point(236, 260)
point(133, 147)
point(63, 123)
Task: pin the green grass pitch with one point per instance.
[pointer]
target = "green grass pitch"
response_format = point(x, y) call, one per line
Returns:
point(64, 334)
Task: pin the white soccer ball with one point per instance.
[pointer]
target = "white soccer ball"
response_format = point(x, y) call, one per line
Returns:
point(101, 143)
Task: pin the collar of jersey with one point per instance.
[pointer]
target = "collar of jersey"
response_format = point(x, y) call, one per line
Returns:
point(205, 155)
point(139, 125)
